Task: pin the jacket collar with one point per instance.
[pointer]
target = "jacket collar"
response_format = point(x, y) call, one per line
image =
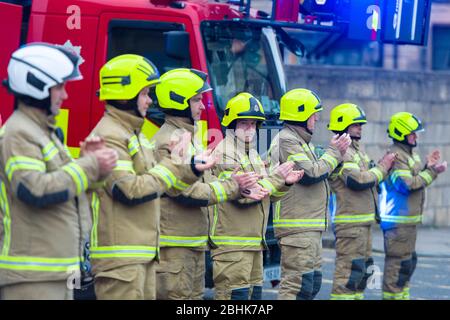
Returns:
point(126, 118)
point(355, 144)
point(180, 122)
point(404, 147)
point(38, 116)
point(301, 132)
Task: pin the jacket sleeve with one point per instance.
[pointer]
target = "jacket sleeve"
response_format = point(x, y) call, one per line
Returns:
point(275, 183)
point(200, 194)
point(357, 179)
point(26, 171)
point(314, 171)
point(404, 181)
point(129, 188)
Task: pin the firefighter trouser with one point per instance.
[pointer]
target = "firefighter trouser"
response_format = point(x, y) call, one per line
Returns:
point(51, 290)
point(353, 262)
point(400, 261)
point(130, 282)
point(301, 259)
point(238, 275)
point(180, 274)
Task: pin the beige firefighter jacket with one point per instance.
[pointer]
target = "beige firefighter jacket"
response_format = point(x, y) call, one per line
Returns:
point(126, 211)
point(304, 208)
point(403, 193)
point(183, 221)
point(241, 225)
point(44, 210)
point(355, 187)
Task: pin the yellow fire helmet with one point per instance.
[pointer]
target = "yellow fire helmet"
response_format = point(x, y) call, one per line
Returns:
point(243, 106)
point(403, 124)
point(123, 77)
point(178, 86)
point(299, 105)
point(344, 115)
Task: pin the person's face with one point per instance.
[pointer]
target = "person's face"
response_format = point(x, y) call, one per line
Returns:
point(58, 94)
point(197, 106)
point(355, 130)
point(144, 101)
point(412, 138)
point(311, 123)
point(246, 129)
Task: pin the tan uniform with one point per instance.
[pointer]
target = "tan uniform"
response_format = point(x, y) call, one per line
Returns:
point(301, 216)
point(126, 211)
point(239, 227)
point(355, 187)
point(184, 224)
point(402, 199)
point(44, 209)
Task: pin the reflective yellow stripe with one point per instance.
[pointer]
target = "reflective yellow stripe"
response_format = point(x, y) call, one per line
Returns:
point(331, 160)
point(216, 217)
point(392, 296)
point(147, 144)
point(69, 153)
point(298, 223)
point(378, 173)
point(225, 175)
point(237, 241)
point(349, 165)
point(359, 296)
point(298, 157)
point(400, 173)
point(124, 165)
point(357, 218)
point(23, 163)
point(38, 264)
point(406, 295)
point(165, 174)
point(123, 252)
point(401, 219)
point(181, 241)
point(133, 145)
point(6, 219)
point(49, 151)
point(245, 161)
point(78, 176)
point(335, 296)
point(356, 158)
point(366, 158)
point(426, 176)
point(181, 185)
point(277, 210)
point(269, 186)
point(95, 205)
point(219, 191)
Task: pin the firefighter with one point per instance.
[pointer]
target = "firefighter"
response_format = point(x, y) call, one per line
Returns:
point(44, 208)
point(354, 183)
point(239, 227)
point(402, 199)
point(301, 216)
point(124, 240)
point(184, 225)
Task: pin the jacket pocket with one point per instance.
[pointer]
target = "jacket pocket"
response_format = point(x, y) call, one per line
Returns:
point(295, 242)
point(127, 273)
